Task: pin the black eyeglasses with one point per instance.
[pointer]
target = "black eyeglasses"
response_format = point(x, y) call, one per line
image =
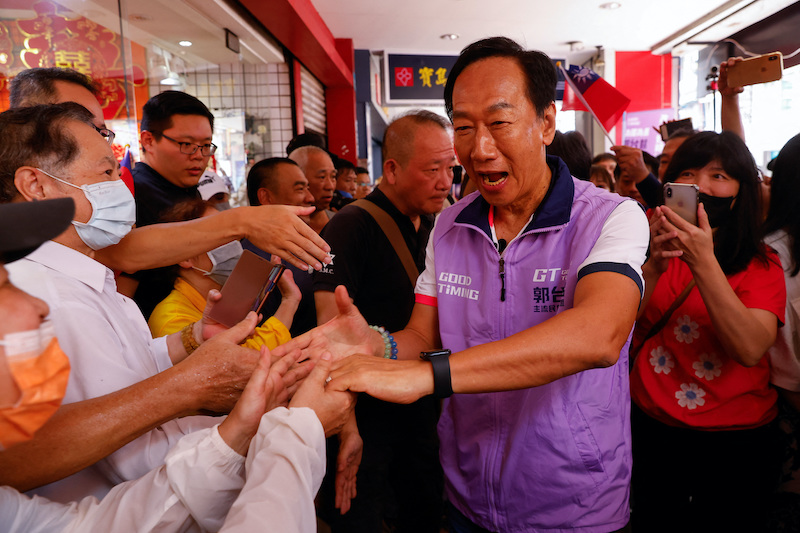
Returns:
point(191, 148)
point(107, 134)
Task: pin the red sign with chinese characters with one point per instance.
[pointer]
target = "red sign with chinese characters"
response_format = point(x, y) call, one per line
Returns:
point(55, 37)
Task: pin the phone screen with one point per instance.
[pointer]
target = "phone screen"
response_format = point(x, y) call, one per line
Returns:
point(252, 280)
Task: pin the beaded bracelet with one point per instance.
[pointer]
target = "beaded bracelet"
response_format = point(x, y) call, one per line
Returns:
point(389, 345)
point(190, 344)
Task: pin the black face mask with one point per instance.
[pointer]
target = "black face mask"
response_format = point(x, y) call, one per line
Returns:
point(718, 209)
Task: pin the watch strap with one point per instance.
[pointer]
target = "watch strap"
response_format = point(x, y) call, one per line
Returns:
point(442, 383)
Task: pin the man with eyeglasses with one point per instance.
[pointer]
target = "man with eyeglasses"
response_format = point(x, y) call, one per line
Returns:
point(176, 146)
point(176, 133)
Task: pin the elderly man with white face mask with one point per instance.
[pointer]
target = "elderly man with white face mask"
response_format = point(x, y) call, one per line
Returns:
point(55, 152)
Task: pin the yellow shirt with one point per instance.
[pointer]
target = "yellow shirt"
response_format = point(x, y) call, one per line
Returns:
point(185, 305)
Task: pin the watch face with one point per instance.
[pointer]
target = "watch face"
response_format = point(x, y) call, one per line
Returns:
point(427, 356)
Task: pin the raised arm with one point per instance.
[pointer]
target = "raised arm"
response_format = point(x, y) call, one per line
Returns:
point(566, 344)
point(276, 228)
point(730, 116)
point(745, 333)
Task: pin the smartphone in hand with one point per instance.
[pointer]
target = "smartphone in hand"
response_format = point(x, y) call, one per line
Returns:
point(759, 69)
point(251, 282)
point(683, 199)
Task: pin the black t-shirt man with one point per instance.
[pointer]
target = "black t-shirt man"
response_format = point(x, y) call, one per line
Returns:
point(400, 477)
point(154, 195)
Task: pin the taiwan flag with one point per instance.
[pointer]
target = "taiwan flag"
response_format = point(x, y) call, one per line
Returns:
point(586, 91)
point(125, 168)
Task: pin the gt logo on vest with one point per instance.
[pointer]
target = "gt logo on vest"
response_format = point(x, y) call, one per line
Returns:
point(548, 274)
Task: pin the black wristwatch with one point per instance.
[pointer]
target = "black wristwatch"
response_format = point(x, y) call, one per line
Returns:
point(442, 384)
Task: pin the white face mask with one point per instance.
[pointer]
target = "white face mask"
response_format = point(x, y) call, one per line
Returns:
point(113, 212)
point(223, 259)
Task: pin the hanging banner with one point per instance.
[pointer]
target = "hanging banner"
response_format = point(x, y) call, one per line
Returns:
point(640, 129)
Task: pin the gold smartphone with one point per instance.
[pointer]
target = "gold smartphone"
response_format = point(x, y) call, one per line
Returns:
point(759, 69)
point(252, 280)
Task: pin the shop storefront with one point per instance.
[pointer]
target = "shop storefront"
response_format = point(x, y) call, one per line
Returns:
point(135, 49)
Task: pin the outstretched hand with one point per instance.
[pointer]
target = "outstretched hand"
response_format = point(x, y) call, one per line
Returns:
point(216, 373)
point(345, 334)
point(279, 230)
point(332, 407)
point(347, 462)
point(264, 391)
point(385, 379)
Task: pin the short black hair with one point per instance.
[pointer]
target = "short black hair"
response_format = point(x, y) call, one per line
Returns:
point(36, 86)
point(540, 73)
point(308, 138)
point(739, 241)
point(36, 136)
point(361, 170)
point(158, 111)
point(571, 147)
point(605, 156)
point(262, 176)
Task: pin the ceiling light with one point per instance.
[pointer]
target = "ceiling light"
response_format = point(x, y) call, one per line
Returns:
point(611, 5)
point(449, 36)
point(185, 43)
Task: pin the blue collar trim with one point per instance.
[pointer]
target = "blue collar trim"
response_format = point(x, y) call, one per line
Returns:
point(554, 210)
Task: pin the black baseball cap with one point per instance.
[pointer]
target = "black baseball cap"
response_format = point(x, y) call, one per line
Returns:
point(24, 226)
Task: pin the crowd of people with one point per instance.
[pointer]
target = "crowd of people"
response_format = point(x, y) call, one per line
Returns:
point(556, 351)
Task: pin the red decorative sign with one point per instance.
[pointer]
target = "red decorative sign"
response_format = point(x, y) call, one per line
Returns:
point(404, 76)
point(57, 38)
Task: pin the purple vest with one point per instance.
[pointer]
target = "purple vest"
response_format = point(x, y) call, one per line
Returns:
point(550, 458)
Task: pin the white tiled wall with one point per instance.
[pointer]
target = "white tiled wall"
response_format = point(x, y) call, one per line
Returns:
point(263, 91)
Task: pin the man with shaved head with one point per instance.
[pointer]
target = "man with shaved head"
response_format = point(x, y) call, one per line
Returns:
point(318, 167)
point(400, 470)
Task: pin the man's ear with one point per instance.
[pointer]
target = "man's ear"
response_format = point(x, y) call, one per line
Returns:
point(27, 183)
point(186, 263)
point(146, 139)
point(549, 124)
point(264, 196)
point(390, 167)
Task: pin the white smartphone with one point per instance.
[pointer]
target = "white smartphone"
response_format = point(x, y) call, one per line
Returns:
point(683, 199)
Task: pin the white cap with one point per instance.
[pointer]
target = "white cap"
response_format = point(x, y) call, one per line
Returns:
point(210, 184)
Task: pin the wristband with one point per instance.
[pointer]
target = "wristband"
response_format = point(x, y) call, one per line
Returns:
point(442, 382)
point(389, 345)
point(190, 344)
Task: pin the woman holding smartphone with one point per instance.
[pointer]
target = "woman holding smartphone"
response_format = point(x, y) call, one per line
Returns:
point(704, 438)
point(194, 277)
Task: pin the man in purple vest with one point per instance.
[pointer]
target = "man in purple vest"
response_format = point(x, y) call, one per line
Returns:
point(531, 286)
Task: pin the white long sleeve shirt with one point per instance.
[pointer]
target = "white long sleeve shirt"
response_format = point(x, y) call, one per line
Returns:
point(195, 488)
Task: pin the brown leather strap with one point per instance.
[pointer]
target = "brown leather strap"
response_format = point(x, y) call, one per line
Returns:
point(658, 326)
point(392, 232)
